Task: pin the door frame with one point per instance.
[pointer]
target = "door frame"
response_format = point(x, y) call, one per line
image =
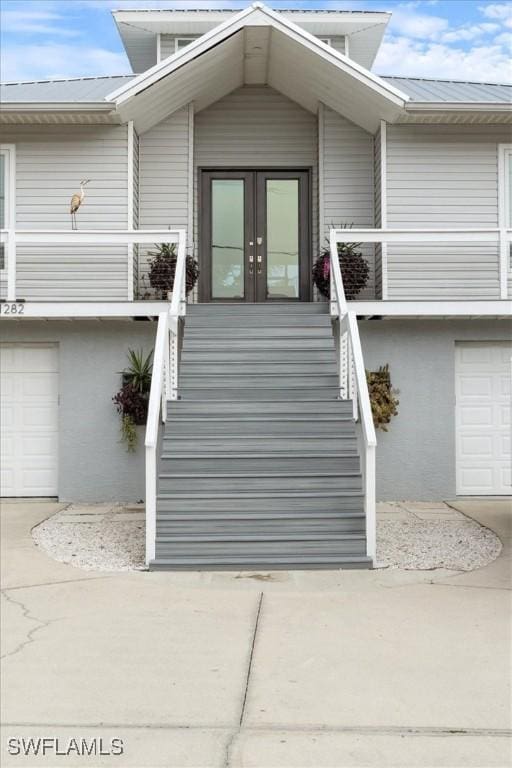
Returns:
point(204, 177)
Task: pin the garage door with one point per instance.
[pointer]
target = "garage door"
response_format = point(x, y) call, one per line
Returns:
point(483, 395)
point(29, 432)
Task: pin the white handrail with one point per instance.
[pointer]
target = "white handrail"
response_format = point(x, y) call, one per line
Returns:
point(156, 411)
point(353, 385)
point(164, 386)
point(178, 309)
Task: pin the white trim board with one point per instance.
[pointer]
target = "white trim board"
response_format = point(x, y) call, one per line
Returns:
point(78, 309)
point(8, 273)
point(418, 309)
point(433, 309)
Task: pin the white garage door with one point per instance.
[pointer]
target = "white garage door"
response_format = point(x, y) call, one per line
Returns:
point(483, 395)
point(29, 432)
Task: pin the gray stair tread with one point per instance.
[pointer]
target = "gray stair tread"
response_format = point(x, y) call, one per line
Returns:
point(238, 489)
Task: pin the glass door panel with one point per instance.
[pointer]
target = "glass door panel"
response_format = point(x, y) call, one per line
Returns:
point(227, 238)
point(255, 236)
point(282, 206)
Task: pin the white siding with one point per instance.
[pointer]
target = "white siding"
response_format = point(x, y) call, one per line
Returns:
point(50, 162)
point(348, 181)
point(377, 161)
point(443, 176)
point(163, 178)
point(257, 127)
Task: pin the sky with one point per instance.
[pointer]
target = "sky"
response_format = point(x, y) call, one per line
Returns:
point(450, 39)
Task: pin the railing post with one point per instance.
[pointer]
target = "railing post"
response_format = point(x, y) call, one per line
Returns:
point(370, 503)
point(11, 265)
point(150, 502)
point(173, 367)
point(504, 256)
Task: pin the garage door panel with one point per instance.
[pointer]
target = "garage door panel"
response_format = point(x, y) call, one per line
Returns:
point(475, 386)
point(504, 388)
point(38, 417)
point(483, 415)
point(29, 419)
point(475, 354)
point(37, 359)
point(40, 448)
point(40, 386)
point(474, 416)
point(476, 445)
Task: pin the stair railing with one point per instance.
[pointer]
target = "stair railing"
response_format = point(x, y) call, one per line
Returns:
point(352, 383)
point(177, 310)
point(164, 386)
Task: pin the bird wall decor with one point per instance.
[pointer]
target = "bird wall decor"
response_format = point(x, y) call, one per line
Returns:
point(76, 201)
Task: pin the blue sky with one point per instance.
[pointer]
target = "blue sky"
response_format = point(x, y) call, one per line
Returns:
point(459, 39)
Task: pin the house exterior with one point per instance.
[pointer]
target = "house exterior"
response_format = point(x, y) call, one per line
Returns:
point(252, 140)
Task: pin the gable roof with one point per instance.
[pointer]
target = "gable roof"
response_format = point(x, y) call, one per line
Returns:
point(259, 46)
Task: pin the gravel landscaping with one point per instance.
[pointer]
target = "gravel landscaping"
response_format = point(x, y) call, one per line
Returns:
point(95, 537)
point(410, 536)
point(418, 536)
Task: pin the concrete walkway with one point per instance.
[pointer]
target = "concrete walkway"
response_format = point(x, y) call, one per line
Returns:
point(322, 669)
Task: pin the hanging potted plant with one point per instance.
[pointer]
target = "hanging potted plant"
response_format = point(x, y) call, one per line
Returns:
point(132, 399)
point(355, 270)
point(383, 397)
point(162, 268)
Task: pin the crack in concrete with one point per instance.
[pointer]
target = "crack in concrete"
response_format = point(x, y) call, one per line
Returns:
point(235, 733)
point(26, 615)
point(62, 581)
point(377, 730)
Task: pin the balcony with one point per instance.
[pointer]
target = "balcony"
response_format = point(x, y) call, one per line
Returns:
point(437, 265)
point(70, 267)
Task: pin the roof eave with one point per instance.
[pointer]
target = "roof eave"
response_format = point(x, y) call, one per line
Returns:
point(458, 106)
point(54, 106)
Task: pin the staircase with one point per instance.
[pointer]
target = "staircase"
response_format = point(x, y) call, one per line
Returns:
point(258, 465)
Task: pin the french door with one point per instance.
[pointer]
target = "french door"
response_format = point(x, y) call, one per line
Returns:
point(255, 236)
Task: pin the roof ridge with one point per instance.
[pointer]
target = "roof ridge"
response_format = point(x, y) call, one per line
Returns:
point(65, 79)
point(443, 80)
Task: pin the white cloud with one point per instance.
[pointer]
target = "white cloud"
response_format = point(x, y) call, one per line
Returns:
point(501, 11)
point(411, 58)
point(406, 22)
point(41, 62)
point(469, 32)
point(34, 22)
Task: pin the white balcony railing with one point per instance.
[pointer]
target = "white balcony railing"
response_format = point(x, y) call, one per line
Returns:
point(353, 386)
point(471, 263)
point(64, 264)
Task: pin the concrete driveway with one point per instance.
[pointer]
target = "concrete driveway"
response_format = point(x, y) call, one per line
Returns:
point(322, 669)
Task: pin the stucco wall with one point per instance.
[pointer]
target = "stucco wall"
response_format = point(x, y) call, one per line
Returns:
point(416, 458)
point(93, 464)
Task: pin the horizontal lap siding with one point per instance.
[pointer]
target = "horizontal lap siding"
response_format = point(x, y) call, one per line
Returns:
point(50, 162)
point(443, 176)
point(163, 180)
point(257, 127)
point(167, 46)
point(377, 161)
point(349, 181)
